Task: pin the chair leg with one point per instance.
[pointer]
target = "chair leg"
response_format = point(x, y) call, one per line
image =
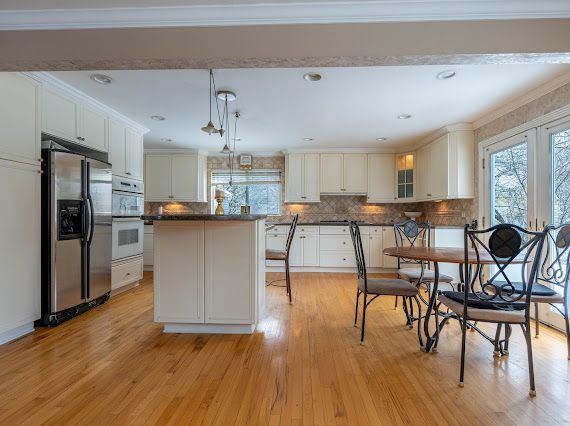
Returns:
point(508, 332)
point(497, 350)
point(411, 324)
point(463, 337)
point(536, 322)
point(356, 310)
point(288, 278)
point(406, 312)
point(526, 331)
point(396, 303)
point(567, 318)
point(419, 321)
point(363, 319)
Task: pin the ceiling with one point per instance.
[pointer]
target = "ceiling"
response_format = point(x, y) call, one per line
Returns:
point(67, 14)
point(348, 108)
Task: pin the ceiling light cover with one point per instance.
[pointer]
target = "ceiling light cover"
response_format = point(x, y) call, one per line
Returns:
point(308, 139)
point(101, 78)
point(404, 116)
point(312, 76)
point(157, 117)
point(381, 139)
point(444, 75)
point(223, 94)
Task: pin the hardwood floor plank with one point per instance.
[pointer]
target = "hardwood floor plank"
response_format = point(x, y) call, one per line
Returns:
point(303, 365)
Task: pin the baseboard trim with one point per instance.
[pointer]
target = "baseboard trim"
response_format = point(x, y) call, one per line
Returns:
point(209, 328)
point(16, 333)
point(126, 287)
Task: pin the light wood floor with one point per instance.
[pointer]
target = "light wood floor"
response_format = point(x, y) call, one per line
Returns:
point(303, 365)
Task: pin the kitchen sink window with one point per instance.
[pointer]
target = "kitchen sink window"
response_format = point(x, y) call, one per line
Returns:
point(260, 189)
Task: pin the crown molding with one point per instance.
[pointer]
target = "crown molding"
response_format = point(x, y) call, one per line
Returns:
point(47, 78)
point(341, 151)
point(520, 101)
point(301, 12)
point(458, 127)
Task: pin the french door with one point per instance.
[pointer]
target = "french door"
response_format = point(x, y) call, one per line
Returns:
point(526, 181)
point(554, 198)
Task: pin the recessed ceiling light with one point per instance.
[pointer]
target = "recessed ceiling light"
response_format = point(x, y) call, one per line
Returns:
point(444, 75)
point(381, 139)
point(101, 78)
point(312, 76)
point(404, 116)
point(308, 139)
point(166, 140)
point(157, 117)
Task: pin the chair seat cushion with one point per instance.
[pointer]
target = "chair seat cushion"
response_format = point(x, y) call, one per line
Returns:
point(275, 254)
point(389, 286)
point(488, 315)
point(475, 302)
point(537, 288)
point(414, 274)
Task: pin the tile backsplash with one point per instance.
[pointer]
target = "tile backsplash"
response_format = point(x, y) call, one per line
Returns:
point(334, 207)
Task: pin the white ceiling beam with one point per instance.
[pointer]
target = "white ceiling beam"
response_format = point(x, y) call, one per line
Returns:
point(283, 13)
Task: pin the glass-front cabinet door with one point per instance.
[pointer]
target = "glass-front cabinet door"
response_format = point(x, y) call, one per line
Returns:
point(405, 176)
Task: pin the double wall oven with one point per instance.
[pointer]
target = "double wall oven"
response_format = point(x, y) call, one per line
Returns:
point(128, 228)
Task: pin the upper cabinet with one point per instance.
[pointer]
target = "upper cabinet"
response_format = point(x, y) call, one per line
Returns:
point(175, 177)
point(302, 178)
point(381, 178)
point(344, 173)
point(446, 167)
point(126, 150)
point(19, 118)
point(405, 169)
point(68, 118)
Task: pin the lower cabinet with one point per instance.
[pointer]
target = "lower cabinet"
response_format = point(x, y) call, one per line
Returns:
point(148, 248)
point(126, 272)
point(305, 247)
point(20, 248)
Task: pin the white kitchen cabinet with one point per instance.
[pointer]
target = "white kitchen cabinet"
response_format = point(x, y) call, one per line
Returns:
point(183, 300)
point(302, 178)
point(304, 247)
point(93, 128)
point(331, 173)
point(60, 115)
point(175, 177)
point(311, 250)
point(71, 119)
point(118, 148)
point(375, 257)
point(446, 167)
point(381, 175)
point(275, 239)
point(388, 240)
point(148, 248)
point(296, 254)
point(344, 173)
point(405, 177)
point(20, 139)
point(126, 150)
point(355, 174)
point(20, 248)
point(126, 272)
point(158, 179)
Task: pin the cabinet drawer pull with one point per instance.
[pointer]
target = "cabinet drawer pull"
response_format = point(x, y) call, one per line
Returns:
point(128, 173)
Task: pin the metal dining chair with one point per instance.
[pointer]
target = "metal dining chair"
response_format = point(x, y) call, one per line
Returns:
point(491, 297)
point(553, 274)
point(377, 286)
point(284, 255)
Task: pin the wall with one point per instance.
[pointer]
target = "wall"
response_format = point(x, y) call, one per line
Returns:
point(334, 207)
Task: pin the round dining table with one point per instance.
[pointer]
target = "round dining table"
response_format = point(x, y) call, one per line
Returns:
point(436, 255)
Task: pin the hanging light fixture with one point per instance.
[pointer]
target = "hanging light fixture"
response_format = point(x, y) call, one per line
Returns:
point(231, 152)
point(210, 128)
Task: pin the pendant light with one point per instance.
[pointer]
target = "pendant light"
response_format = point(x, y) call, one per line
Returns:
point(209, 128)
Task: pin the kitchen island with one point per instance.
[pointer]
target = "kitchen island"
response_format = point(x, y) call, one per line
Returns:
point(209, 272)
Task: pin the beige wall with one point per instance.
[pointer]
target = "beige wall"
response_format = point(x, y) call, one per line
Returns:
point(512, 41)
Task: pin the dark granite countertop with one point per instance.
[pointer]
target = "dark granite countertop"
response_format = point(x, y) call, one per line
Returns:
point(329, 224)
point(212, 217)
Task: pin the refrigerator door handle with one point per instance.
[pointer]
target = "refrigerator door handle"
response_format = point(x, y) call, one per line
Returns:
point(91, 220)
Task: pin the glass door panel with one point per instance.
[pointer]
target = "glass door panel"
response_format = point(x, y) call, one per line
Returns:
point(557, 166)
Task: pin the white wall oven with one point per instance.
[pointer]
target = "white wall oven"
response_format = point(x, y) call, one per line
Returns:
point(128, 228)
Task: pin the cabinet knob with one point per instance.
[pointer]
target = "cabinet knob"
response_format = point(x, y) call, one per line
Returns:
point(303, 198)
point(344, 243)
point(429, 195)
point(128, 173)
point(344, 259)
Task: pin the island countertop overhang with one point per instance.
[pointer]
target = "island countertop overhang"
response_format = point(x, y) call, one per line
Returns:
point(206, 217)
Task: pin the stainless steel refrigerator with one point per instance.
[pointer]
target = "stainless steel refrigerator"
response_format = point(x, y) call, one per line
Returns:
point(76, 233)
